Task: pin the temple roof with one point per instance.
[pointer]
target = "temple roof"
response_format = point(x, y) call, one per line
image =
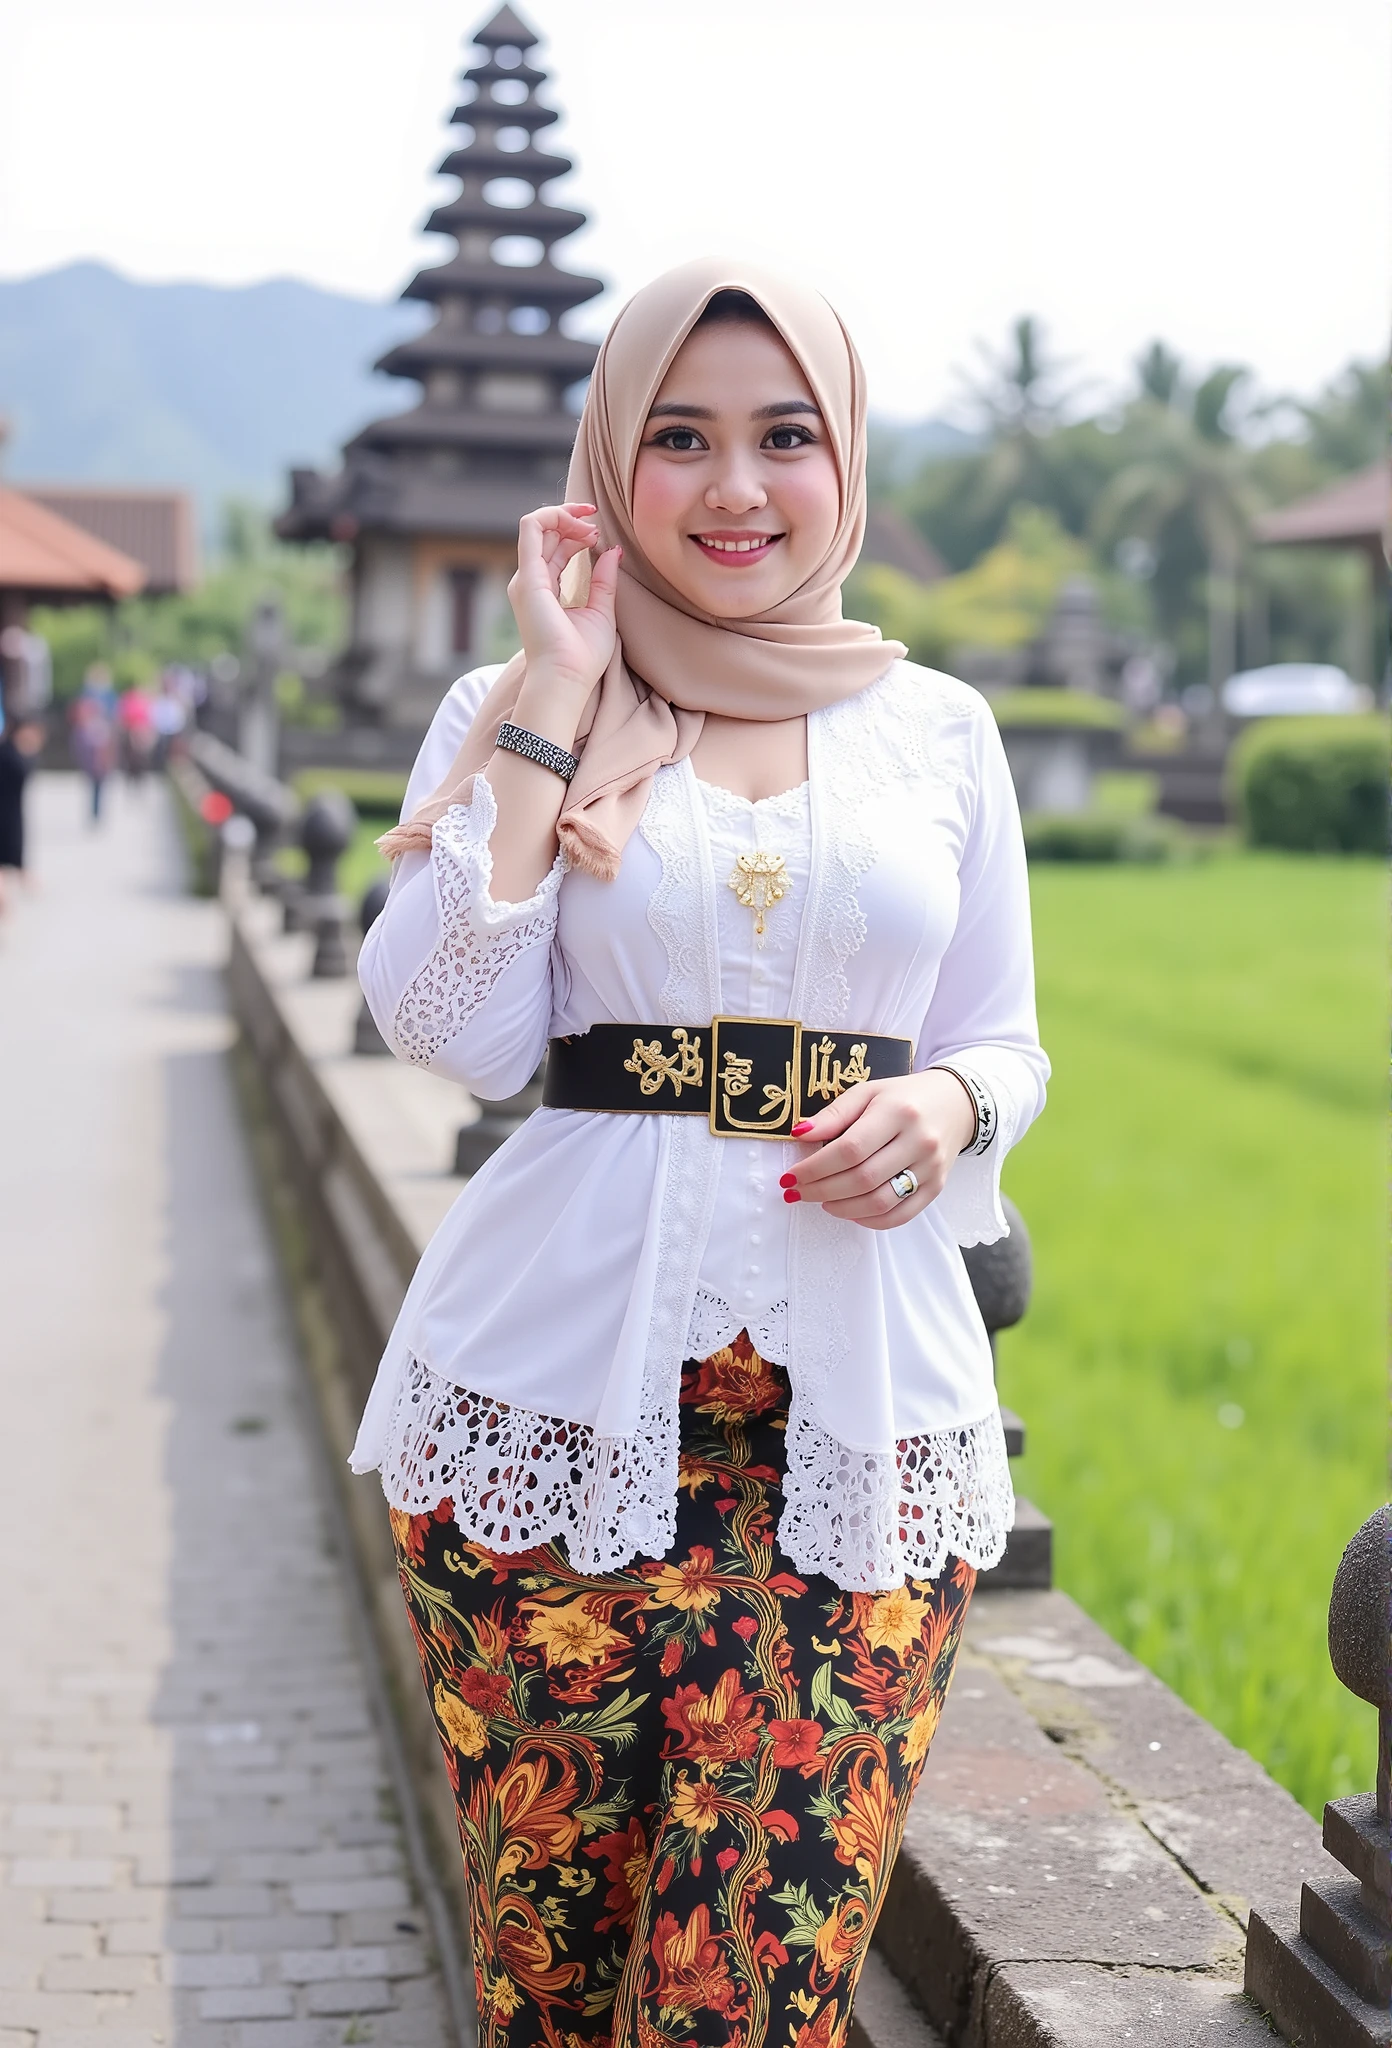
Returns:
point(45, 556)
point(505, 27)
point(495, 422)
point(1353, 511)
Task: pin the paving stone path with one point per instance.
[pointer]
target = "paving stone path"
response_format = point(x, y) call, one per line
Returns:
point(198, 1847)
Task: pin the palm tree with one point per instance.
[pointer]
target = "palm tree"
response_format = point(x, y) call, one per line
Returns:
point(1019, 402)
point(1188, 470)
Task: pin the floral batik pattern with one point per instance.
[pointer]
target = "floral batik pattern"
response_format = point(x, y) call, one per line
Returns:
point(681, 1786)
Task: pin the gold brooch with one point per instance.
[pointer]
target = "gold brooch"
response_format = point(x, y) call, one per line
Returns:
point(760, 880)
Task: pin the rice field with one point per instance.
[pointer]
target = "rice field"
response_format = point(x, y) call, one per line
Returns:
point(1203, 1369)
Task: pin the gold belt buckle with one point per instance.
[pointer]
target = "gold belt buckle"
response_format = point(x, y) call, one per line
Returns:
point(756, 1076)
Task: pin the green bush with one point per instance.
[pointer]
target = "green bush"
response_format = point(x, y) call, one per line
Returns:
point(1054, 707)
point(1314, 785)
point(1100, 835)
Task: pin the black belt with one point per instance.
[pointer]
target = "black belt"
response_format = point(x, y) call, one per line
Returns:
point(751, 1077)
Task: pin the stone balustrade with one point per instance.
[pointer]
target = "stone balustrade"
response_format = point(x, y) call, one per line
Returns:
point(1326, 1977)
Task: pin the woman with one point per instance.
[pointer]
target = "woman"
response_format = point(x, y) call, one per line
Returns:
point(691, 1438)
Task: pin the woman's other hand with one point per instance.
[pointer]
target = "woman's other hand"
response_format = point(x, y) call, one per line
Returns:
point(875, 1130)
point(567, 649)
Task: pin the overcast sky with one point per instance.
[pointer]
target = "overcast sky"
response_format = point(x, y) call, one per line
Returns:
point(1212, 171)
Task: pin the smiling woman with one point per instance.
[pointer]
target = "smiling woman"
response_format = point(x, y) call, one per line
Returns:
point(692, 1437)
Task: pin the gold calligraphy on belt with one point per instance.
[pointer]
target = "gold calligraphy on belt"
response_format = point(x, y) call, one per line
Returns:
point(735, 1081)
point(830, 1077)
point(684, 1068)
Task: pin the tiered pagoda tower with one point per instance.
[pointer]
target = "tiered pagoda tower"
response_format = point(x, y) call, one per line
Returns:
point(430, 498)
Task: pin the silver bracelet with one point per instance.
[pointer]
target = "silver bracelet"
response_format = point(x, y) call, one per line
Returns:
point(515, 739)
point(983, 1102)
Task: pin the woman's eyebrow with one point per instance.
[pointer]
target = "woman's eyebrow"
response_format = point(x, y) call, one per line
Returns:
point(784, 406)
point(672, 407)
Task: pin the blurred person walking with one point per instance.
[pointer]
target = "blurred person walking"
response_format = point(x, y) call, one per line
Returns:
point(19, 745)
point(138, 732)
point(26, 686)
point(168, 717)
point(92, 727)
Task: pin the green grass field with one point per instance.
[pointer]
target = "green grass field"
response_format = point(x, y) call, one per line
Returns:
point(1202, 1371)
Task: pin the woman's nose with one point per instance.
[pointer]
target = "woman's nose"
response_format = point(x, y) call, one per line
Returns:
point(736, 490)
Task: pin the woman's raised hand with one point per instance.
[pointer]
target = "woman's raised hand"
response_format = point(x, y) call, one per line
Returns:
point(569, 648)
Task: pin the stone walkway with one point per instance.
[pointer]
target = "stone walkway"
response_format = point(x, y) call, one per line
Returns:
point(198, 1846)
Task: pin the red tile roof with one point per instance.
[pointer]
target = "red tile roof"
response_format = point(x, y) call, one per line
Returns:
point(155, 528)
point(1353, 511)
point(42, 555)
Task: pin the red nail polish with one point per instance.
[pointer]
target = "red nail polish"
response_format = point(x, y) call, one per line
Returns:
point(798, 1129)
point(787, 1180)
point(791, 1195)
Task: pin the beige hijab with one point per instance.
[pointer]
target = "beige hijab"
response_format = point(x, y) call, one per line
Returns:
point(672, 662)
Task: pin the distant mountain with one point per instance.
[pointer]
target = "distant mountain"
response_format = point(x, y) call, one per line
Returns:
point(899, 447)
point(222, 388)
point(216, 388)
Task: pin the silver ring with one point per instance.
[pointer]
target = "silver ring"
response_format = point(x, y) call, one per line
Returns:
point(905, 1183)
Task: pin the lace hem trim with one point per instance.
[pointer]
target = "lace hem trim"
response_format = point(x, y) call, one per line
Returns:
point(478, 937)
point(518, 1479)
point(714, 1323)
point(869, 1519)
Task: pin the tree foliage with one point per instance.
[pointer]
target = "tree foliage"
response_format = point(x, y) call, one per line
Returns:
point(140, 637)
point(1159, 492)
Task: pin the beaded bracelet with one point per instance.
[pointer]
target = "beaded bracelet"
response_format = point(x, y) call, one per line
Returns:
point(515, 739)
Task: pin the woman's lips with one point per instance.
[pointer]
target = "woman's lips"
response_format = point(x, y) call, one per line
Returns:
point(735, 550)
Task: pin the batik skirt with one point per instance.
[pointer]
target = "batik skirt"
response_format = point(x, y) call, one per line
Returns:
point(681, 1787)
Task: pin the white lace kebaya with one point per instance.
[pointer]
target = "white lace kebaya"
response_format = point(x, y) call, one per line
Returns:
point(534, 1372)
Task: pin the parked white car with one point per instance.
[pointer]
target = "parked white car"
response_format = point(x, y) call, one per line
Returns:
point(1287, 689)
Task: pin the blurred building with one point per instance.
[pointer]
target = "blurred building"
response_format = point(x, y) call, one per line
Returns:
point(894, 542)
point(429, 499)
point(1353, 513)
point(46, 559)
point(152, 527)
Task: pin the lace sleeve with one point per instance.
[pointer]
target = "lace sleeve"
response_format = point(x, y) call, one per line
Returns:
point(479, 940)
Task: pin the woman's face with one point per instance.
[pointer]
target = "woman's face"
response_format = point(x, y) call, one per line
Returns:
point(735, 493)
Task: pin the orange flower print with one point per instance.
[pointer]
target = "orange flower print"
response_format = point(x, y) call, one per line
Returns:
point(625, 1859)
point(716, 1728)
point(692, 1973)
point(690, 1585)
point(795, 1745)
point(537, 1822)
point(921, 1732)
point(862, 1833)
point(841, 1936)
point(819, 2033)
point(461, 1724)
point(571, 1633)
point(733, 1385)
point(525, 1952)
point(409, 1533)
point(894, 1620)
point(679, 1782)
point(696, 1805)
